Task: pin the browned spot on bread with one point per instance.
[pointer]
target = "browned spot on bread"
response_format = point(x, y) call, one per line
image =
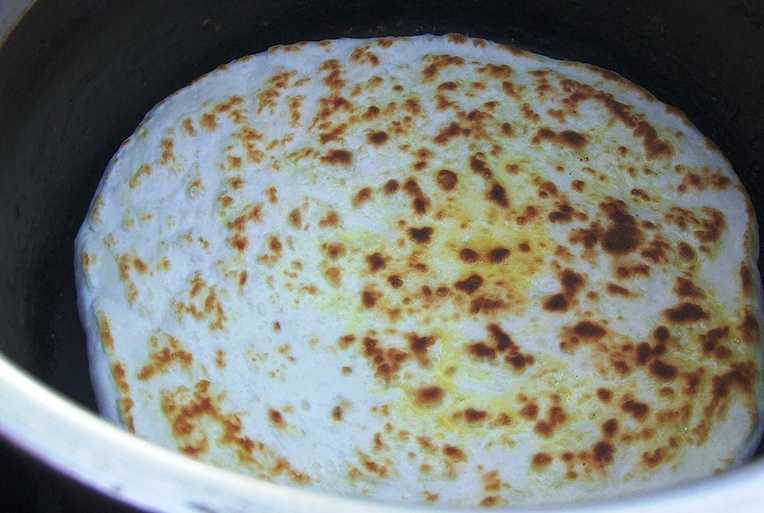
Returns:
point(125, 403)
point(488, 305)
point(395, 281)
point(139, 265)
point(481, 350)
point(375, 261)
point(711, 226)
point(346, 341)
point(604, 395)
point(238, 242)
point(469, 255)
point(622, 235)
point(473, 416)
point(571, 282)
point(479, 167)
point(372, 112)
point(294, 103)
point(385, 361)
point(167, 146)
point(333, 79)
point(412, 106)
point(270, 94)
point(610, 428)
point(220, 359)
point(454, 453)
point(589, 330)
point(419, 345)
point(663, 371)
point(644, 353)
point(429, 396)
point(530, 411)
point(540, 460)
point(654, 458)
point(362, 196)
point(362, 55)
point(335, 134)
point(509, 89)
point(162, 358)
point(120, 378)
point(391, 186)
point(421, 235)
point(104, 332)
point(331, 219)
point(276, 418)
point(438, 63)
point(446, 179)
point(377, 138)
point(602, 452)
point(295, 218)
point(656, 251)
point(274, 244)
point(142, 171)
point(495, 70)
point(563, 214)
point(469, 284)
point(632, 271)
point(498, 195)
point(337, 157)
point(555, 303)
point(448, 132)
point(188, 127)
point(271, 192)
point(685, 313)
point(208, 121)
point(587, 237)
point(529, 113)
point(684, 288)
point(655, 147)
point(186, 417)
point(254, 214)
point(420, 202)
point(498, 255)
point(636, 409)
point(448, 86)
point(661, 334)
point(430, 496)
point(334, 250)
point(333, 276)
point(745, 280)
point(458, 39)
point(369, 297)
point(616, 290)
point(490, 501)
point(569, 138)
point(555, 417)
point(749, 328)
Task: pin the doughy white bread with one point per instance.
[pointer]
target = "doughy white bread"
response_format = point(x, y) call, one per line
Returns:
point(430, 269)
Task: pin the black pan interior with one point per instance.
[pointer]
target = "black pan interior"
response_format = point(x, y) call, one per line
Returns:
point(77, 76)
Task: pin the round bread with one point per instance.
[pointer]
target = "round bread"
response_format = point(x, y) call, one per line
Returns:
point(428, 269)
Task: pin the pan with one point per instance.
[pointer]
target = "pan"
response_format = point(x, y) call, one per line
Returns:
point(77, 76)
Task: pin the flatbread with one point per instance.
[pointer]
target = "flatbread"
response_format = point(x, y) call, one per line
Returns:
point(426, 269)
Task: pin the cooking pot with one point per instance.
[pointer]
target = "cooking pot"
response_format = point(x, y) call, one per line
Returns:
point(77, 76)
